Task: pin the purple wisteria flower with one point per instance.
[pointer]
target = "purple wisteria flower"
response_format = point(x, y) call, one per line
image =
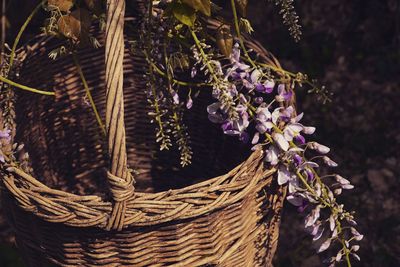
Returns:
point(281, 135)
point(5, 138)
point(260, 86)
point(283, 94)
point(189, 102)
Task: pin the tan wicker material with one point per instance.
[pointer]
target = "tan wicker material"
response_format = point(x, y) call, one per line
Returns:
point(78, 206)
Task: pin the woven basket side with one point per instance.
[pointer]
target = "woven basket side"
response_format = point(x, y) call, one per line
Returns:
point(241, 234)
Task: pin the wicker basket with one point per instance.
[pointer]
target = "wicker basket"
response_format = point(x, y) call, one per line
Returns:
point(79, 206)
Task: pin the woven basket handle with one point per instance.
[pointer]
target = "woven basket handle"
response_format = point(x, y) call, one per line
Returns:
point(119, 177)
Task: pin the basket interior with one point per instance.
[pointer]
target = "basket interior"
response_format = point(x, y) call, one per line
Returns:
point(66, 147)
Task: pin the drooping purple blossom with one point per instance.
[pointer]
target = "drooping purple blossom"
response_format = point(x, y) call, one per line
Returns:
point(189, 102)
point(272, 155)
point(175, 97)
point(5, 138)
point(318, 147)
point(283, 94)
point(283, 132)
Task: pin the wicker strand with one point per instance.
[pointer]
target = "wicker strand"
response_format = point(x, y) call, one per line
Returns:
point(119, 177)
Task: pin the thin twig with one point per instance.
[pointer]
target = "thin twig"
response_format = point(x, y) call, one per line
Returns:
point(88, 94)
point(24, 87)
point(21, 30)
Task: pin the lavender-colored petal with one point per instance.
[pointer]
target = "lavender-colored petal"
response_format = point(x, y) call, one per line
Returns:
point(281, 88)
point(269, 86)
point(255, 139)
point(287, 113)
point(295, 200)
point(241, 108)
point(260, 87)
point(337, 191)
point(287, 96)
point(189, 102)
point(272, 155)
point(213, 108)
point(258, 100)
point(332, 222)
point(255, 76)
point(215, 118)
point(309, 164)
point(243, 99)
point(318, 147)
point(293, 185)
point(356, 256)
point(308, 129)
point(275, 115)
point(347, 186)
point(193, 72)
point(247, 84)
point(263, 114)
point(302, 208)
point(297, 159)
point(281, 141)
point(317, 233)
point(324, 246)
point(339, 256)
point(283, 175)
point(288, 135)
point(175, 97)
point(318, 190)
point(313, 217)
point(341, 180)
point(309, 174)
point(297, 118)
point(261, 128)
point(329, 162)
point(300, 139)
point(5, 133)
point(296, 149)
point(235, 55)
point(266, 87)
point(227, 126)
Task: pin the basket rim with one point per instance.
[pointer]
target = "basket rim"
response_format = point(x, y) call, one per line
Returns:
point(142, 209)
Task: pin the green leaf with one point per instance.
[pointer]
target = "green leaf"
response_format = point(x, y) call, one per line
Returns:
point(204, 6)
point(184, 14)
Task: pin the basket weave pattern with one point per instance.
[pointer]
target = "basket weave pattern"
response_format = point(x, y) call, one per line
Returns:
point(70, 216)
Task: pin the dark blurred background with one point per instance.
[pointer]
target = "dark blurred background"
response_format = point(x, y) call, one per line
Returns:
point(353, 48)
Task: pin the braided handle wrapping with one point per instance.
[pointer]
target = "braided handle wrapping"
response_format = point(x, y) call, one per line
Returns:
point(119, 178)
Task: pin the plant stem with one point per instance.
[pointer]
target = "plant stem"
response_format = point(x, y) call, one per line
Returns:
point(239, 35)
point(203, 55)
point(21, 30)
point(88, 94)
point(179, 82)
point(24, 87)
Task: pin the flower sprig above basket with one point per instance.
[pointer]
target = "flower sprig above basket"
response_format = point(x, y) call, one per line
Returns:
point(253, 99)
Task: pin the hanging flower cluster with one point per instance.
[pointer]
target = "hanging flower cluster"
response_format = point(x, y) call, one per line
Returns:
point(282, 137)
point(253, 102)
